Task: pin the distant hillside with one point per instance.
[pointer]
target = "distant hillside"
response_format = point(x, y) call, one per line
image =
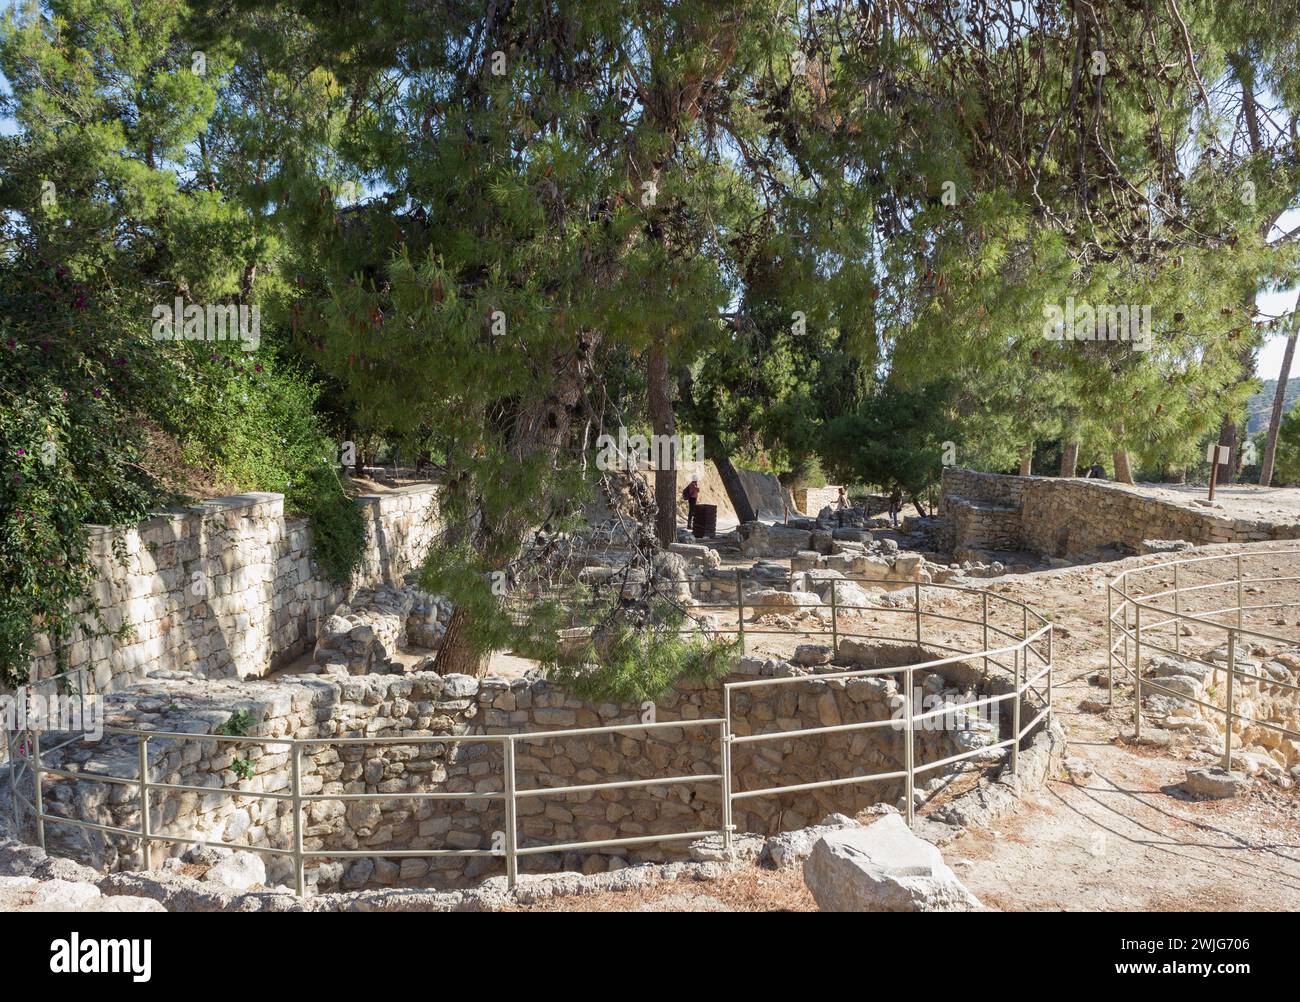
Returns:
point(1259, 406)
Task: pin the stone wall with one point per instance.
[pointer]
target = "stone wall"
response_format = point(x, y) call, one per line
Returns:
point(228, 588)
point(811, 500)
point(424, 705)
point(1064, 517)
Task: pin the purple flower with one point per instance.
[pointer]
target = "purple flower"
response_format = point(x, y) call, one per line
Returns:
point(22, 452)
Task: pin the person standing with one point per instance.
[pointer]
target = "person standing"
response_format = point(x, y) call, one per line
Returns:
point(692, 495)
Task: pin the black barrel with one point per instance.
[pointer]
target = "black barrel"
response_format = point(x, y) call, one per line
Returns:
point(706, 520)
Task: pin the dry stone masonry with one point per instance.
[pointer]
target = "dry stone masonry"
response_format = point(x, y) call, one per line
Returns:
point(1066, 517)
point(422, 706)
point(228, 588)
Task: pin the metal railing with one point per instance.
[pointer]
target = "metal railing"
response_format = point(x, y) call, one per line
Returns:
point(29, 759)
point(1139, 620)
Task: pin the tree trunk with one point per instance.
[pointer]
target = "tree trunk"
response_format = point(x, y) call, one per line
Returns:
point(714, 449)
point(1279, 399)
point(730, 478)
point(1027, 461)
point(1228, 437)
point(541, 427)
point(457, 655)
point(664, 455)
point(1069, 459)
point(1123, 474)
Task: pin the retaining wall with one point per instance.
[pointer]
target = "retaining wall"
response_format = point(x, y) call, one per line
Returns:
point(1063, 517)
point(426, 705)
point(228, 588)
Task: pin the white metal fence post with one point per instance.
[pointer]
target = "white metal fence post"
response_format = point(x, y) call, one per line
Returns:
point(908, 750)
point(512, 838)
point(1239, 594)
point(835, 625)
point(1051, 653)
point(11, 755)
point(1232, 673)
point(984, 618)
point(1110, 643)
point(38, 798)
point(146, 826)
point(299, 877)
point(740, 610)
point(917, 603)
point(1017, 659)
point(724, 758)
point(1178, 610)
point(1137, 671)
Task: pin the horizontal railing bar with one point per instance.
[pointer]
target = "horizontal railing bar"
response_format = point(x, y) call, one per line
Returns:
point(537, 850)
point(226, 791)
point(961, 756)
point(88, 777)
point(617, 729)
point(396, 853)
point(864, 725)
point(404, 795)
point(776, 791)
point(868, 672)
point(542, 791)
point(954, 707)
point(1033, 723)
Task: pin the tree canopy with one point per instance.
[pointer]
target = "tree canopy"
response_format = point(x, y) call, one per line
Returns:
point(486, 234)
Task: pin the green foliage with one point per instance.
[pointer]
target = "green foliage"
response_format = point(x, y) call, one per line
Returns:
point(238, 725)
point(636, 665)
point(896, 439)
point(254, 420)
point(71, 453)
point(1286, 463)
point(112, 202)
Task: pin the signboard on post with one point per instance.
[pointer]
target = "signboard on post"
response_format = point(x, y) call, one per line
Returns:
point(1214, 455)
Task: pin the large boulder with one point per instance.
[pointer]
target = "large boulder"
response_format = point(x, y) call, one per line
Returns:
point(239, 871)
point(697, 553)
point(769, 602)
point(882, 867)
point(1215, 783)
point(758, 539)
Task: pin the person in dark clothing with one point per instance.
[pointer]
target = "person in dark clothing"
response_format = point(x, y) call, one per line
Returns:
point(895, 506)
point(1096, 472)
point(692, 495)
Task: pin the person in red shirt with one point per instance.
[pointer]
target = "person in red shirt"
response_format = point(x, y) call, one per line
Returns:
point(691, 494)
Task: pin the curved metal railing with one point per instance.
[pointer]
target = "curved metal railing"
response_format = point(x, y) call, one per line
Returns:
point(29, 760)
point(1144, 619)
